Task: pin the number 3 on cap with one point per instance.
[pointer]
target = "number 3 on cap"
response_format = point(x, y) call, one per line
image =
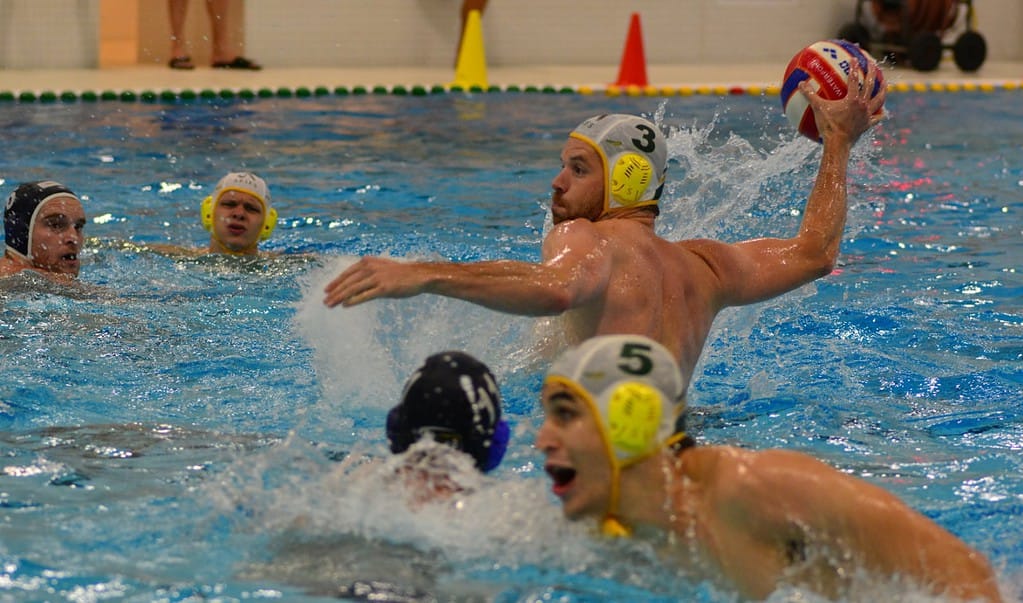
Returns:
point(647, 143)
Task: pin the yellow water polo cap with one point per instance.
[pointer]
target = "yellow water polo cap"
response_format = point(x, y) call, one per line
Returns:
point(634, 154)
point(244, 182)
point(634, 386)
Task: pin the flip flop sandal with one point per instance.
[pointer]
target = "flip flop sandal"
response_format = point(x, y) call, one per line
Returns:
point(238, 63)
point(184, 62)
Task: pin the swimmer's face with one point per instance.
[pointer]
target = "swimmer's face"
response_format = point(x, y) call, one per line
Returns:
point(576, 457)
point(57, 236)
point(578, 189)
point(237, 221)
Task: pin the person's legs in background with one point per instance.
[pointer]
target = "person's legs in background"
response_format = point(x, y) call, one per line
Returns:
point(221, 51)
point(223, 55)
point(178, 10)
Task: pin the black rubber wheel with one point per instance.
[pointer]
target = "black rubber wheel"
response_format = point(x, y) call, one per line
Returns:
point(925, 51)
point(969, 51)
point(855, 33)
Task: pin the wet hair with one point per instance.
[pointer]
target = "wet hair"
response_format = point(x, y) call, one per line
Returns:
point(682, 438)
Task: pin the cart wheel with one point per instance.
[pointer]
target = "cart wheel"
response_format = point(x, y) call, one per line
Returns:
point(855, 33)
point(969, 51)
point(925, 51)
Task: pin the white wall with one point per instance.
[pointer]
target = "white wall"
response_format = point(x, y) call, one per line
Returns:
point(423, 33)
point(48, 34)
point(567, 32)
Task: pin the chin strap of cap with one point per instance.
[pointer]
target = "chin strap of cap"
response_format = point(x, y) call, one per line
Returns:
point(611, 526)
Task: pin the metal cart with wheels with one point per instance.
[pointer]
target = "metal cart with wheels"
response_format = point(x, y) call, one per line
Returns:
point(914, 31)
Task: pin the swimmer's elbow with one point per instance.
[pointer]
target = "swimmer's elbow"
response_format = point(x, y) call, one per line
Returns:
point(820, 259)
point(557, 300)
point(555, 293)
point(825, 266)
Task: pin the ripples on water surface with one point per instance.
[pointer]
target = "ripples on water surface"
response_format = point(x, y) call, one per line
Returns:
point(189, 429)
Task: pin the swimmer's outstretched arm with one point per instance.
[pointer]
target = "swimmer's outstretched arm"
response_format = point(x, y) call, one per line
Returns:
point(576, 268)
point(759, 269)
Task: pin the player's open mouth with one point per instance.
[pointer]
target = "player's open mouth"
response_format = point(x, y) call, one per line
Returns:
point(561, 476)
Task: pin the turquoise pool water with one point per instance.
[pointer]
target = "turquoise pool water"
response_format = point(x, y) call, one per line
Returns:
point(185, 430)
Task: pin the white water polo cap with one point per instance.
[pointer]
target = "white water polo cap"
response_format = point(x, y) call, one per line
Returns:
point(634, 388)
point(634, 153)
point(244, 182)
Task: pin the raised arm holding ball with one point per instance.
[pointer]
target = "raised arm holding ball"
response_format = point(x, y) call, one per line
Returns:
point(603, 268)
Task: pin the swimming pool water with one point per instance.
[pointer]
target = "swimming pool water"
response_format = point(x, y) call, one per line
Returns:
point(185, 429)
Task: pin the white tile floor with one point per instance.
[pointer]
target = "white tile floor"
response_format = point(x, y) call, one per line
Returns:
point(159, 78)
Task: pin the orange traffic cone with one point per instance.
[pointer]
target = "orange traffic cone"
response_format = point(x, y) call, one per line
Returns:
point(632, 71)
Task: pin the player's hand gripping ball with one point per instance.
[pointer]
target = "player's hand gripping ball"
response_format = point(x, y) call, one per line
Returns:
point(826, 65)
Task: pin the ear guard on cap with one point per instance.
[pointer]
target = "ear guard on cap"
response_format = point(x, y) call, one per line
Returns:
point(269, 220)
point(398, 438)
point(630, 177)
point(498, 446)
point(207, 213)
point(633, 419)
point(269, 223)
